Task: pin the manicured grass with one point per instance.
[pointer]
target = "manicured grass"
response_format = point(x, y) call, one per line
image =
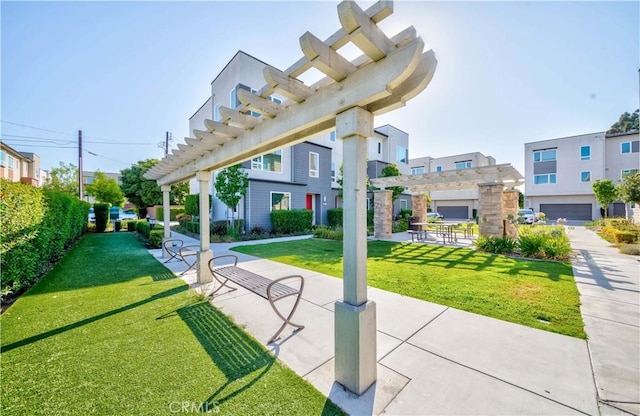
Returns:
point(110, 331)
point(539, 294)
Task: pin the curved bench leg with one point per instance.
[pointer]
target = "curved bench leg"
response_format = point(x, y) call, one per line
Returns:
point(286, 320)
point(222, 284)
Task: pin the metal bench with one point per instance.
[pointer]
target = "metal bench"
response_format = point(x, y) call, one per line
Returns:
point(271, 290)
point(178, 251)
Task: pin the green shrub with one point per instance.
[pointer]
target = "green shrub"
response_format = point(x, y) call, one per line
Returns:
point(405, 213)
point(102, 216)
point(218, 227)
point(37, 226)
point(131, 225)
point(328, 233)
point(496, 245)
point(294, 221)
point(173, 213)
point(400, 225)
point(257, 230)
point(369, 217)
point(192, 204)
point(155, 238)
point(532, 245)
point(334, 217)
point(144, 228)
point(118, 225)
point(193, 227)
point(183, 219)
point(623, 236)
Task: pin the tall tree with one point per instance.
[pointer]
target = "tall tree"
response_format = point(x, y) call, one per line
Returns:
point(388, 171)
point(629, 191)
point(143, 192)
point(106, 190)
point(231, 185)
point(64, 178)
point(605, 192)
point(626, 122)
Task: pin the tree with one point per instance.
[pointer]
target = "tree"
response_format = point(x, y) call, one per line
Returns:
point(388, 171)
point(605, 192)
point(231, 185)
point(106, 190)
point(626, 122)
point(629, 191)
point(144, 192)
point(64, 179)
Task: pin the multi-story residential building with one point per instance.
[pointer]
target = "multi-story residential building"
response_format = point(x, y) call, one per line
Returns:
point(560, 172)
point(303, 176)
point(21, 166)
point(454, 204)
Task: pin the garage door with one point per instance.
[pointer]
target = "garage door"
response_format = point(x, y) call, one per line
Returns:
point(457, 213)
point(568, 211)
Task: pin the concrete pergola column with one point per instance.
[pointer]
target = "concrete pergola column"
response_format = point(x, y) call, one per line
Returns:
point(419, 207)
point(510, 208)
point(490, 213)
point(355, 317)
point(382, 214)
point(166, 212)
point(205, 254)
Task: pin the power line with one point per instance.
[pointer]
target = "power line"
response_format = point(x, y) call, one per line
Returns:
point(47, 139)
point(36, 128)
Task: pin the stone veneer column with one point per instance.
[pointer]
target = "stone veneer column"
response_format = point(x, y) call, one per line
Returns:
point(490, 212)
point(355, 316)
point(510, 208)
point(419, 207)
point(382, 214)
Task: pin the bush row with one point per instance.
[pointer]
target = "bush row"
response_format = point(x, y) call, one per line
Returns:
point(173, 213)
point(37, 226)
point(535, 242)
point(618, 235)
point(328, 233)
point(293, 221)
point(334, 216)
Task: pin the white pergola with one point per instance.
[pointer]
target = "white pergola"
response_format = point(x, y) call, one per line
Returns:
point(391, 71)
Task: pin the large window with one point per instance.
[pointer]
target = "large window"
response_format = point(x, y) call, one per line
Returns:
point(585, 176)
point(585, 153)
point(314, 163)
point(280, 201)
point(417, 171)
point(465, 164)
point(402, 155)
point(271, 162)
point(544, 179)
point(628, 172)
point(333, 171)
point(216, 113)
point(544, 155)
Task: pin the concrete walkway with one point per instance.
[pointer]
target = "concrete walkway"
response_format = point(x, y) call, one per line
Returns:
point(432, 359)
point(609, 287)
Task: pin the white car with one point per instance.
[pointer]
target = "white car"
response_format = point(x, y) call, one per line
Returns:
point(92, 215)
point(527, 216)
point(128, 215)
point(434, 216)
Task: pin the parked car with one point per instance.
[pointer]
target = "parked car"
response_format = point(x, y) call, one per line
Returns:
point(92, 215)
point(128, 215)
point(526, 215)
point(434, 216)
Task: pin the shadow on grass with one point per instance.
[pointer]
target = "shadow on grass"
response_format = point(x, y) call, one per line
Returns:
point(234, 352)
point(53, 332)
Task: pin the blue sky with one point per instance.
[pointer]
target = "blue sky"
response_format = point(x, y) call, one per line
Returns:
point(125, 72)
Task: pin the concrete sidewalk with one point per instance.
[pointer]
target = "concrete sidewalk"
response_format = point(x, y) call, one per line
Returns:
point(608, 282)
point(431, 359)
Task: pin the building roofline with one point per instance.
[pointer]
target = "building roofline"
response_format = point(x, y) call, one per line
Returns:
point(240, 51)
point(566, 137)
point(624, 133)
point(391, 125)
point(200, 108)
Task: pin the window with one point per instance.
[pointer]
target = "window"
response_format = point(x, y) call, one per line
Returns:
point(333, 171)
point(271, 162)
point(585, 176)
point(314, 163)
point(585, 153)
point(628, 172)
point(332, 136)
point(466, 164)
point(402, 155)
point(3, 157)
point(379, 147)
point(544, 179)
point(417, 171)
point(280, 201)
point(233, 99)
point(544, 155)
point(216, 113)
point(271, 98)
point(403, 204)
point(438, 168)
point(10, 161)
point(625, 147)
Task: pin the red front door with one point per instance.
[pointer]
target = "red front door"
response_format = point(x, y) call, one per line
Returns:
point(309, 201)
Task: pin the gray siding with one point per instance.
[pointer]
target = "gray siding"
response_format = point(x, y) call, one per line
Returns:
point(540, 168)
point(374, 168)
point(258, 201)
point(320, 187)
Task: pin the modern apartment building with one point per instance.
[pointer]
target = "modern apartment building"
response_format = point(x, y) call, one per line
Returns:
point(21, 166)
point(303, 176)
point(560, 172)
point(454, 204)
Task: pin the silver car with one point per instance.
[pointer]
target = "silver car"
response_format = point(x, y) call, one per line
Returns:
point(526, 216)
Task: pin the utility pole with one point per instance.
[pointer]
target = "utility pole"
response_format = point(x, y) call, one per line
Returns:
point(166, 145)
point(81, 194)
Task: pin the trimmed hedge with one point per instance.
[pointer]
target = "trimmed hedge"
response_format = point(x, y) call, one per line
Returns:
point(334, 217)
point(193, 227)
point(617, 235)
point(155, 238)
point(37, 226)
point(294, 221)
point(192, 204)
point(102, 216)
point(173, 213)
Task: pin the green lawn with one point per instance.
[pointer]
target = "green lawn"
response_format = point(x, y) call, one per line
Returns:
point(539, 294)
point(110, 331)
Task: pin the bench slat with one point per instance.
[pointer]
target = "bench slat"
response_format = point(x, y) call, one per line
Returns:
point(254, 283)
